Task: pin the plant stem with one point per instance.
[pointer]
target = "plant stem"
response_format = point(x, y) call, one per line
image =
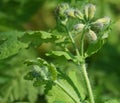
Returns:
point(82, 62)
point(82, 44)
point(67, 92)
point(87, 81)
point(73, 42)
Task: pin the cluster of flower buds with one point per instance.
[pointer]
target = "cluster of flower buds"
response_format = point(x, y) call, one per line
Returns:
point(75, 13)
point(63, 11)
point(86, 20)
point(88, 13)
point(92, 27)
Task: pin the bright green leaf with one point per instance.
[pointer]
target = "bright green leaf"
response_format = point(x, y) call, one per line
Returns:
point(60, 53)
point(9, 44)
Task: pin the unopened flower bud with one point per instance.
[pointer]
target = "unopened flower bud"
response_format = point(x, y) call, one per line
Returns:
point(104, 21)
point(70, 13)
point(86, 11)
point(78, 14)
point(79, 27)
point(61, 9)
point(89, 11)
point(92, 10)
point(91, 36)
point(97, 26)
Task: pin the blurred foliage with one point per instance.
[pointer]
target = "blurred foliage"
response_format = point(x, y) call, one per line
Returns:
point(104, 67)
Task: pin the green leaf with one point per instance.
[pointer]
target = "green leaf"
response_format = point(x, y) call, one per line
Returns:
point(112, 101)
point(94, 47)
point(43, 73)
point(57, 94)
point(61, 53)
point(53, 71)
point(9, 44)
point(71, 83)
point(36, 38)
point(48, 86)
point(58, 101)
point(29, 76)
point(42, 69)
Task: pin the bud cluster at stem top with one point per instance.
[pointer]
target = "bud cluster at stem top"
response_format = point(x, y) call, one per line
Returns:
point(85, 18)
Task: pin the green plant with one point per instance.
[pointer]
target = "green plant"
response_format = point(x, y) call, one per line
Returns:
point(81, 36)
point(16, 47)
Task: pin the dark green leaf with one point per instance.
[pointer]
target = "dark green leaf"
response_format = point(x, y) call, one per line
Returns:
point(94, 47)
point(48, 86)
point(29, 76)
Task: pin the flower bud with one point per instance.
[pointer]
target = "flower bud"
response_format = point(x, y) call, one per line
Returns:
point(78, 14)
point(61, 9)
point(104, 21)
point(89, 11)
point(70, 13)
point(86, 11)
point(97, 27)
point(79, 27)
point(91, 36)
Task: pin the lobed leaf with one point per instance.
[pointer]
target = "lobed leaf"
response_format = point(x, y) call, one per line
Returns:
point(61, 53)
point(9, 44)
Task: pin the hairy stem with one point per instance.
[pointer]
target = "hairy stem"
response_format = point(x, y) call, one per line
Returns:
point(73, 42)
point(82, 62)
point(67, 92)
point(87, 81)
point(82, 44)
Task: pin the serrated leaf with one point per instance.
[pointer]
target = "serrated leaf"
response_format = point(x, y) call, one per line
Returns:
point(94, 47)
point(60, 53)
point(53, 71)
point(39, 82)
point(48, 86)
point(9, 44)
point(42, 74)
point(35, 38)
